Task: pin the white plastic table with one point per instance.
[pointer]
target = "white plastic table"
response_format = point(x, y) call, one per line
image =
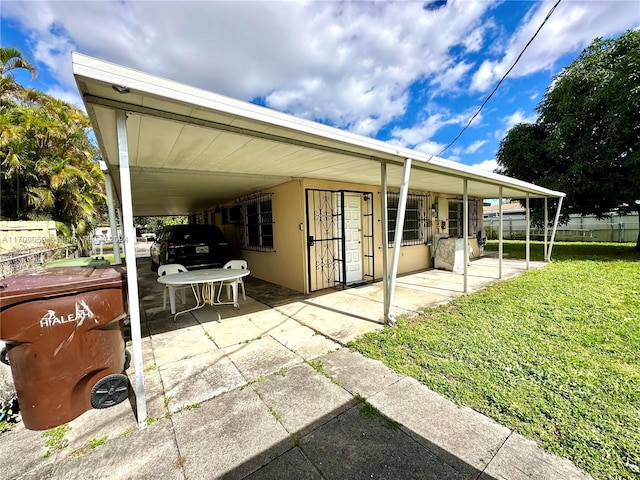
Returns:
point(208, 278)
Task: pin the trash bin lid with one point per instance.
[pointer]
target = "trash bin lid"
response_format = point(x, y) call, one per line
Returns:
point(47, 282)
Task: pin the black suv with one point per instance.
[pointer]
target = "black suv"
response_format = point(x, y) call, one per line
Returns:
point(193, 246)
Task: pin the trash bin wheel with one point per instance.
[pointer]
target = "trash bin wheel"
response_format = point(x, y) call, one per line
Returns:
point(3, 357)
point(127, 359)
point(110, 391)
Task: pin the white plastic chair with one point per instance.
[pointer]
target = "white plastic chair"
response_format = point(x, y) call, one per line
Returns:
point(235, 283)
point(168, 269)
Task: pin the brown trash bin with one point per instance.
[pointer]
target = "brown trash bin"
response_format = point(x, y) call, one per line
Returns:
point(64, 342)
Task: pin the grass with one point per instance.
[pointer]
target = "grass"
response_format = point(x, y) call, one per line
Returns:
point(553, 354)
point(54, 439)
point(93, 443)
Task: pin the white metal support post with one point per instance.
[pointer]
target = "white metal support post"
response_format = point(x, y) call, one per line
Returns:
point(546, 223)
point(129, 242)
point(555, 228)
point(465, 232)
point(397, 239)
point(385, 243)
point(527, 235)
point(500, 239)
point(112, 215)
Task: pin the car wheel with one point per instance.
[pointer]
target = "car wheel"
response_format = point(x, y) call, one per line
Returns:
point(154, 267)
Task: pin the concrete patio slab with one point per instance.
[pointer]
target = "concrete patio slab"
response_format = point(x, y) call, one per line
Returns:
point(522, 459)
point(199, 378)
point(120, 458)
point(292, 464)
point(169, 347)
point(349, 303)
point(96, 424)
point(339, 327)
point(229, 437)
point(359, 445)
point(357, 374)
point(27, 451)
point(231, 331)
point(261, 358)
point(307, 346)
point(302, 398)
point(164, 321)
point(433, 420)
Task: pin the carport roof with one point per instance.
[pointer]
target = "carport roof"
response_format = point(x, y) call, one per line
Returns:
point(190, 148)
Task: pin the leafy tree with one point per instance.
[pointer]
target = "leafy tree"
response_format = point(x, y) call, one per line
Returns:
point(586, 141)
point(46, 157)
point(11, 59)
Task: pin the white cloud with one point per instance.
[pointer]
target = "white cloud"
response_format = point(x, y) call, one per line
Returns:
point(475, 146)
point(518, 117)
point(348, 63)
point(486, 165)
point(430, 147)
point(515, 118)
point(449, 80)
point(572, 26)
point(421, 133)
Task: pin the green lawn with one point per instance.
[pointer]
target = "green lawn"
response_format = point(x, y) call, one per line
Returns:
point(553, 354)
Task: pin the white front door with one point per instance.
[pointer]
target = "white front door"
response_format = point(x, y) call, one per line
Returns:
point(353, 238)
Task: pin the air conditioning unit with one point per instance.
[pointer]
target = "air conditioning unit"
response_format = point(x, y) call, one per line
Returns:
point(231, 215)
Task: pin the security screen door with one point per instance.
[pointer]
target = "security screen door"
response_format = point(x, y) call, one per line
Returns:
point(339, 238)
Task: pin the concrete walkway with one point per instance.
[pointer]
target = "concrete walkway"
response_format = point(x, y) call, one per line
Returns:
point(270, 391)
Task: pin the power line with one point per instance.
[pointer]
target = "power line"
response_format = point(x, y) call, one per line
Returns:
point(501, 80)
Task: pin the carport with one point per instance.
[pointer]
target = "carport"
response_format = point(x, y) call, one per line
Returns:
point(170, 149)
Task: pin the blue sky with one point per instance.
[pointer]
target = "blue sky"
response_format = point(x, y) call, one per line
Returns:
point(410, 73)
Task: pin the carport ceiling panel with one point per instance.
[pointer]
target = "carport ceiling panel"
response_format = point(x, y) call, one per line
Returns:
point(133, 134)
point(157, 138)
point(185, 191)
point(172, 193)
point(190, 145)
point(339, 167)
point(217, 151)
point(253, 157)
point(106, 119)
point(285, 160)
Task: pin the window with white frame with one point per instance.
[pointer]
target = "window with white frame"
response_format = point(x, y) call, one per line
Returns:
point(256, 230)
point(417, 221)
point(456, 216)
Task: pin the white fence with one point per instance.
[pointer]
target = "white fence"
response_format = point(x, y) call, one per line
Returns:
point(617, 228)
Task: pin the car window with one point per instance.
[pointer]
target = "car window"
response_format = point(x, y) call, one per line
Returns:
point(196, 233)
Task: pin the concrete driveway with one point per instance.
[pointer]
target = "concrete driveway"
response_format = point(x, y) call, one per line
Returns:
point(269, 391)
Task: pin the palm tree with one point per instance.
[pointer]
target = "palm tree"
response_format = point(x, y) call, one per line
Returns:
point(47, 168)
point(11, 59)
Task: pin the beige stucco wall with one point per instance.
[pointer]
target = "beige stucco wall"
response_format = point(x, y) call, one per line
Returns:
point(287, 264)
point(412, 258)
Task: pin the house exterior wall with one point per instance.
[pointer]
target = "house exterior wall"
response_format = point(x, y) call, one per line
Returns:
point(287, 264)
point(412, 258)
